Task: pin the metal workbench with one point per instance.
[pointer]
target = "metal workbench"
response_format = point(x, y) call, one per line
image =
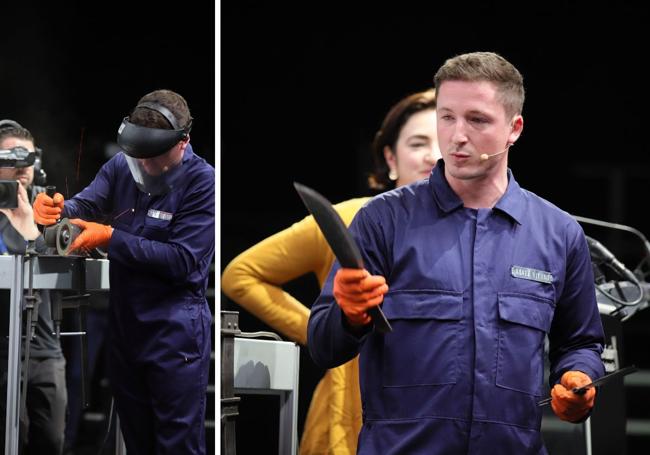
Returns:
point(49, 272)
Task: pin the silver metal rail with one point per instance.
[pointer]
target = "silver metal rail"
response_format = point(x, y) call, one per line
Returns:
point(50, 272)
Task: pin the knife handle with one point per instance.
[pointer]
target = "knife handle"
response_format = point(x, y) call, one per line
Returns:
point(576, 390)
point(581, 390)
point(379, 319)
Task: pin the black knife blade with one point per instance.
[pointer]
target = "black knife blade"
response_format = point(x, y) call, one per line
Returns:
point(339, 239)
point(600, 381)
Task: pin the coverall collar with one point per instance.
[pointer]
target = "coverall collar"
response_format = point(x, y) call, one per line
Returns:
point(512, 203)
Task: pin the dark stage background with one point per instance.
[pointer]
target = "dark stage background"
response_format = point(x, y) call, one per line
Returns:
point(304, 88)
point(70, 71)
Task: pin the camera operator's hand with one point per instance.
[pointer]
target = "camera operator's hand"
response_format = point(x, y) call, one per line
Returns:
point(47, 210)
point(93, 235)
point(22, 218)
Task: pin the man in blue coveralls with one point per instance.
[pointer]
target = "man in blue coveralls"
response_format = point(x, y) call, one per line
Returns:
point(480, 271)
point(157, 199)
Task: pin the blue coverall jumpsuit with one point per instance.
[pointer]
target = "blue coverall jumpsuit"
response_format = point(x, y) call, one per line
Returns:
point(159, 327)
point(472, 295)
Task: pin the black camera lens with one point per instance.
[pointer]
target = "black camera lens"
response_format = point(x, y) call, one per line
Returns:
point(8, 194)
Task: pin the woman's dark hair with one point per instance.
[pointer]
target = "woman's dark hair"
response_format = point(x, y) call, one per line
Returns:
point(388, 134)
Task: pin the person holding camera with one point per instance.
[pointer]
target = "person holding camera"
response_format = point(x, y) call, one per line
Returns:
point(43, 422)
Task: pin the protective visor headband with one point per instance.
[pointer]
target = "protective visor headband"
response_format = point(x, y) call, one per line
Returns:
point(17, 157)
point(143, 142)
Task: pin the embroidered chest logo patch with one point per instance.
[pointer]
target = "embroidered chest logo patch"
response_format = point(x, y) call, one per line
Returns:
point(159, 214)
point(531, 274)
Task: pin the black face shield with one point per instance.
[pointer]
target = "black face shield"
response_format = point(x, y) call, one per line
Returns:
point(17, 157)
point(143, 145)
point(142, 142)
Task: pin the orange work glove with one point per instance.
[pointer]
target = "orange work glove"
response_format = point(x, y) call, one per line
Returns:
point(47, 209)
point(356, 291)
point(570, 406)
point(93, 235)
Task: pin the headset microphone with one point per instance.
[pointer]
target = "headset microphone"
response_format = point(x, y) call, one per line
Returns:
point(485, 156)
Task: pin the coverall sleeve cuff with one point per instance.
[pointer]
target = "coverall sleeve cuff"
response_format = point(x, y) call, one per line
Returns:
point(117, 238)
point(356, 334)
point(594, 369)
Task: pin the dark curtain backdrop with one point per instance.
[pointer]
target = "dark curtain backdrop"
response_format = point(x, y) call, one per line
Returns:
point(70, 71)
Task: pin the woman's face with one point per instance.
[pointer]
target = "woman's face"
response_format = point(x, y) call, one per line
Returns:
point(416, 150)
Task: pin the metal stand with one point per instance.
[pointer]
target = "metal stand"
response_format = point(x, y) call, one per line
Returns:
point(120, 447)
point(229, 402)
point(267, 367)
point(30, 306)
point(607, 431)
point(257, 367)
point(77, 302)
point(13, 367)
point(48, 273)
point(604, 432)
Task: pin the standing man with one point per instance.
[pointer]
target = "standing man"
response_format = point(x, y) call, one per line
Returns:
point(157, 201)
point(473, 272)
point(43, 421)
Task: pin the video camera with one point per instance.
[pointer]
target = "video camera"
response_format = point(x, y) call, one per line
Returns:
point(12, 158)
point(8, 194)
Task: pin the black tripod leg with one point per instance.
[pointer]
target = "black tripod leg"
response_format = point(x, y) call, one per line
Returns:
point(25, 367)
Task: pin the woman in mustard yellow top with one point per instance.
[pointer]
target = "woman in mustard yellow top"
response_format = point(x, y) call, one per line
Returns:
point(405, 149)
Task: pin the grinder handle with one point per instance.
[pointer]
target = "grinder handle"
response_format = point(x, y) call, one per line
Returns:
point(50, 190)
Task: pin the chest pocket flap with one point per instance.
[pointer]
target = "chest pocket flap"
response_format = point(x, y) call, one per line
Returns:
point(528, 310)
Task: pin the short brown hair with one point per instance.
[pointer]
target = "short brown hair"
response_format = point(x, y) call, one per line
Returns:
point(9, 128)
point(490, 67)
point(153, 119)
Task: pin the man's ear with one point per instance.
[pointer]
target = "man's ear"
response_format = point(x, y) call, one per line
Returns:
point(517, 128)
point(184, 142)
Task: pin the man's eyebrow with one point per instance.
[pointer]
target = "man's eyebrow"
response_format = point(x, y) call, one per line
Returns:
point(478, 112)
point(470, 112)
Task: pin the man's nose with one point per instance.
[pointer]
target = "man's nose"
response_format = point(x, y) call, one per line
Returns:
point(459, 136)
